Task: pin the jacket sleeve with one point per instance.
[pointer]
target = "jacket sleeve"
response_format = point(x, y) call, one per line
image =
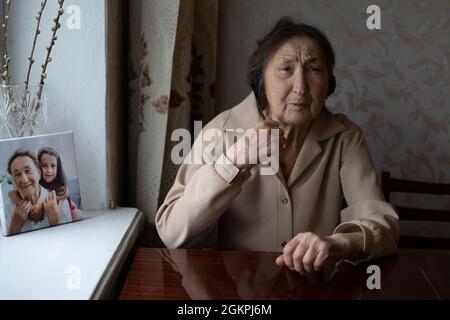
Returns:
point(201, 193)
point(366, 204)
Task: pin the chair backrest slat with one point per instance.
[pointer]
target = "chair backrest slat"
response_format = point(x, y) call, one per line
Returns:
point(423, 214)
point(424, 242)
point(389, 185)
point(399, 185)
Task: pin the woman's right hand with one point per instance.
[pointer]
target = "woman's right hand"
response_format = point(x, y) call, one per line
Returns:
point(23, 208)
point(253, 143)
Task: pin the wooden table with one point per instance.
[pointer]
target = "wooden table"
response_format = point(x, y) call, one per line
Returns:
point(211, 274)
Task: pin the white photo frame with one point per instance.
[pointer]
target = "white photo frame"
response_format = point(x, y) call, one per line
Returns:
point(39, 183)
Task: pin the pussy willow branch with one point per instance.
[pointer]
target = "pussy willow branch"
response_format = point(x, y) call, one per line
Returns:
point(30, 58)
point(3, 43)
point(5, 73)
point(48, 59)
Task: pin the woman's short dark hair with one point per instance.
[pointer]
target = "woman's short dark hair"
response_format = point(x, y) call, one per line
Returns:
point(284, 30)
point(22, 153)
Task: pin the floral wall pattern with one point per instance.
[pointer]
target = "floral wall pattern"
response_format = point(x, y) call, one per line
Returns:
point(393, 82)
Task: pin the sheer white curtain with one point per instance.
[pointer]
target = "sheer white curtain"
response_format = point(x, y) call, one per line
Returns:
point(171, 74)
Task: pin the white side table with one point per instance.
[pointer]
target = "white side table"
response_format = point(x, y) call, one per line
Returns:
point(79, 260)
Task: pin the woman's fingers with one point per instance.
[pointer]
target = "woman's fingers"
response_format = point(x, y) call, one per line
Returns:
point(321, 257)
point(305, 253)
point(268, 122)
point(28, 208)
point(24, 205)
point(283, 142)
point(280, 260)
point(298, 256)
point(308, 259)
point(288, 251)
point(21, 204)
point(50, 198)
point(23, 208)
point(256, 143)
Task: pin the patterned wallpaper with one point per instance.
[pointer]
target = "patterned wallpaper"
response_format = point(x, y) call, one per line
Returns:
point(393, 82)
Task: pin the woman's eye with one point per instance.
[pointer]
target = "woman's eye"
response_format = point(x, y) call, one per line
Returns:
point(286, 69)
point(313, 69)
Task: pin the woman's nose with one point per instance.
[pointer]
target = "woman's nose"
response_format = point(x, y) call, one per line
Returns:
point(23, 177)
point(300, 85)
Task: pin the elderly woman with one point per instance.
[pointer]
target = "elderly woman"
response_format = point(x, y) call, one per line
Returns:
point(323, 159)
point(24, 169)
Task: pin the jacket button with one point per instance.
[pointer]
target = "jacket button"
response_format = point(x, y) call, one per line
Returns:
point(284, 200)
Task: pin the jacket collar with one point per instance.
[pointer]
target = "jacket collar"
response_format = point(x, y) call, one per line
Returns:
point(324, 127)
point(243, 116)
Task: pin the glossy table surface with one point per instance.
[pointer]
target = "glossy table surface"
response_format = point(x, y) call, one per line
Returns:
point(210, 274)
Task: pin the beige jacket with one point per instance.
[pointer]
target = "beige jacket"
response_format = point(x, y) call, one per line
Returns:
point(204, 209)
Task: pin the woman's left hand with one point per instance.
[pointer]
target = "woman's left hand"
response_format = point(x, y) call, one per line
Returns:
point(308, 252)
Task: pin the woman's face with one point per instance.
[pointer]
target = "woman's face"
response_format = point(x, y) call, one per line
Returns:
point(49, 167)
point(296, 82)
point(26, 176)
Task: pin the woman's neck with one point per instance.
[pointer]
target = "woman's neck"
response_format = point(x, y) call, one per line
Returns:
point(295, 136)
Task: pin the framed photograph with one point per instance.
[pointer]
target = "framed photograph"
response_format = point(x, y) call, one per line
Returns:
point(39, 183)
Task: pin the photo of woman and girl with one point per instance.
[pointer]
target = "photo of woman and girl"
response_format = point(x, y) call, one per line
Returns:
point(41, 196)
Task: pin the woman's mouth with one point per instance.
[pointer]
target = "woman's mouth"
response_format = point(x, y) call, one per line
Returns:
point(298, 106)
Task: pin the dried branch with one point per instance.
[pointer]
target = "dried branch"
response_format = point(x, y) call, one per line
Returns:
point(48, 59)
point(5, 61)
point(38, 31)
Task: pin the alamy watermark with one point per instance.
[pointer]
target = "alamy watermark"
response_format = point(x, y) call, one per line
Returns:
point(73, 281)
point(374, 20)
point(374, 280)
point(236, 146)
point(73, 21)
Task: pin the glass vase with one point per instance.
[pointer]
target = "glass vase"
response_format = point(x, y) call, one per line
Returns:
point(23, 110)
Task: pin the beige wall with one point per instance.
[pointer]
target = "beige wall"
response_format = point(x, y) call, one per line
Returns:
point(393, 82)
